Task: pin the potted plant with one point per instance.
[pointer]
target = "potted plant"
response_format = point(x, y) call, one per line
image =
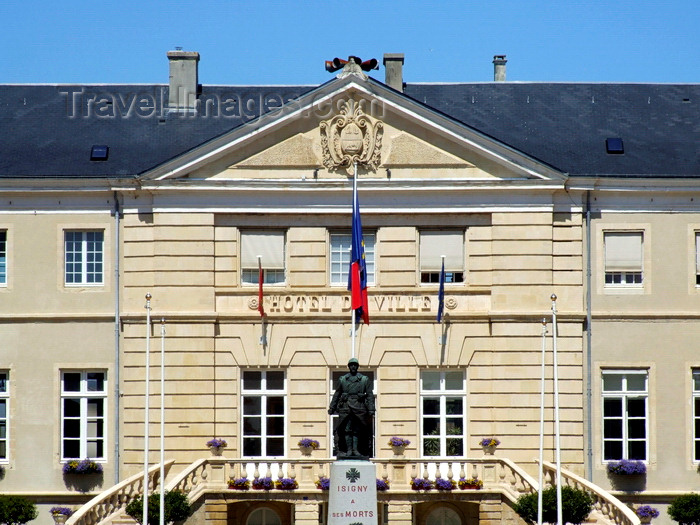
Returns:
point(307, 446)
point(489, 445)
point(382, 485)
point(239, 483)
point(323, 483)
point(576, 505)
point(286, 484)
point(646, 513)
point(445, 484)
point(60, 514)
point(177, 507)
point(627, 467)
point(398, 445)
point(217, 446)
point(470, 483)
point(627, 475)
point(685, 508)
point(421, 484)
point(263, 484)
point(82, 467)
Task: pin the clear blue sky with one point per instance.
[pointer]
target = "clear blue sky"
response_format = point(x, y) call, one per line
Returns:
point(268, 42)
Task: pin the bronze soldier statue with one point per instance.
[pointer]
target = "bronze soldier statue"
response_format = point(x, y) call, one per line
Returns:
point(353, 401)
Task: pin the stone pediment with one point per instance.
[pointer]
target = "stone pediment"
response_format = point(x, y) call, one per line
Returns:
point(406, 151)
point(295, 152)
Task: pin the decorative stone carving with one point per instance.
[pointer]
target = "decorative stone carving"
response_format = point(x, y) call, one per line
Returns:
point(351, 136)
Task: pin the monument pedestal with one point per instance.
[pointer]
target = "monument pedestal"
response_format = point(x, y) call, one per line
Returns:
point(352, 496)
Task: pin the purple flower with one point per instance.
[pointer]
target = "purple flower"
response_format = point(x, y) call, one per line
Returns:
point(445, 484)
point(627, 467)
point(647, 511)
point(286, 484)
point(421, 484)
point(85, 466)
point(61, 511)
point(306, 442)
point(217, 443)
point(489, 442)
point(239, 484)
point(263, 484)
point(382, 484)
point(398, 442)
point(323, 483)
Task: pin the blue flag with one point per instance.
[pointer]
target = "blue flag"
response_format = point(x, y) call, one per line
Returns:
point(441, 293)
point(357, 278)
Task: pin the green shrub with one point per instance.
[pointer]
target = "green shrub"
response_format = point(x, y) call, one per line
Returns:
point(576, 505)
point(685, 509)
point(177, 508)
point(16, 510)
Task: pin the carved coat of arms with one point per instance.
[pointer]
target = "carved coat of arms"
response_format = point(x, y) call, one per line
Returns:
point(350, 137)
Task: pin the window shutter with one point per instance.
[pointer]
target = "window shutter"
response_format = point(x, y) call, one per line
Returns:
point(434, 244)
point(623, 252)
point(270, 245)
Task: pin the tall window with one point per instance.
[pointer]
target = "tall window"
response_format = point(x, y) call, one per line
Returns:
point(270, 246)
point(340, 257)
point(264, 413)
point(625, 418)
point(84, 257)
point(3, 257)
point(696, 415)
point(623, 258)
point(4, 411)
point(697, 258)
point(83, 404)
point(443, 413)
point(433, 245)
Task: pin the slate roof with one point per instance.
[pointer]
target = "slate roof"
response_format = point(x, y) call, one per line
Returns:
point(48, 130)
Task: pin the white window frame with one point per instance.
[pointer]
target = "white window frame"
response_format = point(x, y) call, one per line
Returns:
point(273, 263)
point(696, 413)
point(339, 260)
point(5, 416)
point(624, 395)
point(85, 395)
point(432, 244)
point(86, 250)
point(263, 393)
point(3, 258)
point(623, 274)
point(443, 394)
point(697, 259)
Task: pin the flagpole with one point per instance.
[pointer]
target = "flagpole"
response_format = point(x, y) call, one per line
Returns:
point(353, 327)
point(162, 421)
point(147, 408)
point(542, 386)
point(557, 435)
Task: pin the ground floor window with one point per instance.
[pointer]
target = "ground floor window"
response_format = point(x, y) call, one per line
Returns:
point(443, 413)
point(696, 415)
point(264, 413)
point(625, 414)
point(83, 404)
point(4, 413)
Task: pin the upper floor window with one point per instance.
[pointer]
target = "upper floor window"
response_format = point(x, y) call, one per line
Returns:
point(4, 413)
point(697, 258)
point(433, 245)
point(340, 257)
point(84, 257)
point(623, 258)
point(264, 413)
point(269, 245)
point(443, 413)
point(83, 404)
point(3, 257)
point(625, 415)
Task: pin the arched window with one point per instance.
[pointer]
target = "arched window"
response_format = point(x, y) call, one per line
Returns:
point(263, 516)
point(443, 516)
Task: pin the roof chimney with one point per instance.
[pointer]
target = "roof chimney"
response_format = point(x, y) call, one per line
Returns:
point(393, 70)
point(499, 68)
point(184, 78)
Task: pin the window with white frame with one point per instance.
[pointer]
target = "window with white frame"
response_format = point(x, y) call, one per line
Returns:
point(4, 413)
point(269, 245)
point(625, 415)
point(623, 258)
point(433, 245)
point(697, 258)
point(335, 377)
point(84, 257)
point(3, 257)
point(696, 415)
point(340, 257)
point(443, 413)
point(83, 414)
point(264, 413)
